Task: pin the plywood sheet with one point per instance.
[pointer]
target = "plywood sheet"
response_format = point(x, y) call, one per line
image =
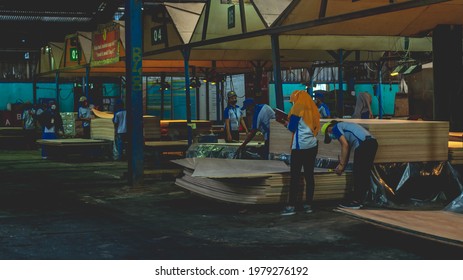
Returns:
point(237, 168)
point(441, 226)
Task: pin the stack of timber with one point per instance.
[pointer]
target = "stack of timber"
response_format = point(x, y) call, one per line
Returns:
point(178, 129)
point(102, 126)
point(456, 136)
point(151, 127)
point(253, 181)
point(456, 152)
point(398, 140)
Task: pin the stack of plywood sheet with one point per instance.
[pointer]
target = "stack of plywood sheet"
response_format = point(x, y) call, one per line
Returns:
point(456, 136)
point(253, 181)
point(456, 152)
point(178, 129)
point(102, 128)
point(151, 127)
point(398, 140)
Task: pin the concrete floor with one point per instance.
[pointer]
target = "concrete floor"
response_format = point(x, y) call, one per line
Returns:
point(84, 210)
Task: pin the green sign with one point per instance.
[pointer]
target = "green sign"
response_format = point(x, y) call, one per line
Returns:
point(231, 16)
point(158, 35)
point(74, 53)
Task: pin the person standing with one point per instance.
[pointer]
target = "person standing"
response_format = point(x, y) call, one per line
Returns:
point(363, 106)
point(323, 109)
point(85, 115)
point(29, 125)
point(53, 126)
point(233, 118)
point(304, 123)
point(355, 137)
point(261, 116)
point(120, 129)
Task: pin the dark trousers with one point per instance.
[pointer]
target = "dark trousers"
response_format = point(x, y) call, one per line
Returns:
point(302, 158)
point(86, 132)
point(364, 156)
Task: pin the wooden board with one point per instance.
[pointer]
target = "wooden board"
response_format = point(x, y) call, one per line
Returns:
point(70, 142)
point(237, 168)
point(398, 140)
point(249, 181)
point(443, 226)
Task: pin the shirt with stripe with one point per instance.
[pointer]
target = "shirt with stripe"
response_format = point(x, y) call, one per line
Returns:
point(303, 137)
point(261, 119)
point(354, 133)
point(234, 115)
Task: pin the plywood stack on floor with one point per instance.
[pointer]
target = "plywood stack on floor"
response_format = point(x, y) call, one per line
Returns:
point(151, 127)
point(252, 181)
point(399, 140)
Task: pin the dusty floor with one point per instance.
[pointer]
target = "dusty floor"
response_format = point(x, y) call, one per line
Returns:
point(84, 210)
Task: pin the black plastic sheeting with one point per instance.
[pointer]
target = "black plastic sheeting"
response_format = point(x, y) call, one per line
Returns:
point(204, 150)
point(407, 185)
point(414, 185)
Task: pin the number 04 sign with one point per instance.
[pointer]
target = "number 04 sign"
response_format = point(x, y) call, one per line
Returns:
point(158, 35)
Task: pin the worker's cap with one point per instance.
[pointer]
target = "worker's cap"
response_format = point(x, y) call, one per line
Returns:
point(248, 102)
point(230, 94)
point(82, 99)
point(323, 131)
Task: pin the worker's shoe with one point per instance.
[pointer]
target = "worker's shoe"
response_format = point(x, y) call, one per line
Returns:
point(307, 208)
point(351, 205)
point(288, 211)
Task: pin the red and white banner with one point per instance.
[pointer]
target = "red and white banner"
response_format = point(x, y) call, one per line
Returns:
point(105, 45)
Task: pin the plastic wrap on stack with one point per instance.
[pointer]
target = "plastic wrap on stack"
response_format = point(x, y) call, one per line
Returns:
point(413, 184)
point(205, 150)
point(69, 124)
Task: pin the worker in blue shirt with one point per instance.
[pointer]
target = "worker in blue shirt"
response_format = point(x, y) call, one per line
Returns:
point(323, 109)
point(233, 117)
point(261, 116)
point(304, 123)
point(355, 137)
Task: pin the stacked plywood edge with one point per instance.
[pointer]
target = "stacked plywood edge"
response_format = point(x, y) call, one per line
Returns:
point(102, 126)
point(399, 140)
point(266, 183)
point(455, 147)
point(151, 127)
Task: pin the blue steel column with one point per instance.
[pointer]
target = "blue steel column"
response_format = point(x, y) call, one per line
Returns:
point(134, 88)
point(340, 105)
point(57, 87)
point(277, 72)
point(379, 90)
point(87, 74)
point(186, 58)
point(217, 93)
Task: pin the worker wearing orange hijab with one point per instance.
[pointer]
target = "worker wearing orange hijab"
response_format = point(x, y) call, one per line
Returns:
point(304, 123)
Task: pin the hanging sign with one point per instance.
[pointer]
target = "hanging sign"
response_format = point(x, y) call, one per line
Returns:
point(231, 17)
point(106, 45)
point(158, 35)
